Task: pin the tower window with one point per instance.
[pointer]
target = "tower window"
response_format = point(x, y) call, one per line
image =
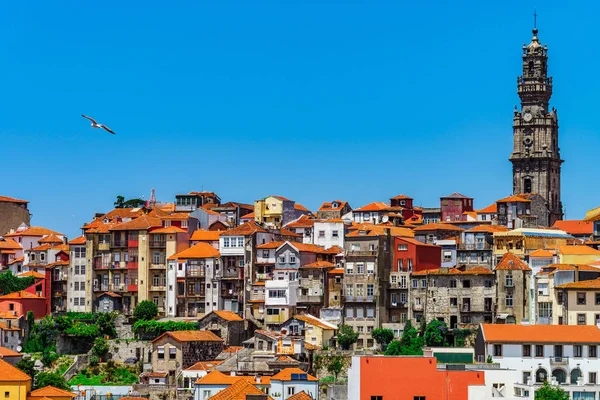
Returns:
point(527, 185)
point(531, 66)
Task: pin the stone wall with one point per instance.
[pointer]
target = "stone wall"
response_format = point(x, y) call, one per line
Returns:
point(337, 392)
point(121, 350)
point(232, 332)
point(70, 345)
point(200, 351)
point(13, 215)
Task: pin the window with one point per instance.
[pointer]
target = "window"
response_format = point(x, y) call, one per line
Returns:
point(578, 350)
point(400, 266)
point(161, 352)
point(539, 350)
point(281, 259)
point(415, 284)
point(453, 302)
point(509, 280)
point(32, 256)
point(526, 350)
point(542, 289)
point(82, 270)
point(410, 264)
point(349, 290)
point(580, 319)
point(394, 278)
point(360, 268)
point(321, 234)
point(560, 298)
point(292, 259)
point(206, 394)
point(376, 397)
point(419, 398)
point(497, 350)
point(489, 283)
point(581, 298)
point(423, 283)
point(76, 285)
point(403, 282)
point(447, 256)
point(226, 242)
point(184, 223)
point(453, 283)
point(541, 375)
point(463, 257)
point(402, 247)
point(509, 300)
point(334, 234)
point(291, 390)
point(272, 311)
point(592, 351)
point(466, 283)
point(370, 268)
point(597, 295)
point(240, 242)
point(370, 289)
point(76, 301)
point(592, 377)
point(349, 268)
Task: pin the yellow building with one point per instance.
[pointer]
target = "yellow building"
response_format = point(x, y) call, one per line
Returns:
point(579, 254)
point(269, 211)
point(580, 302)
point(14, 383)
point(523, 241)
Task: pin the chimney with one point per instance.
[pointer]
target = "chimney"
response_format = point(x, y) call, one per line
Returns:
point(257, 379)
point(232, 373)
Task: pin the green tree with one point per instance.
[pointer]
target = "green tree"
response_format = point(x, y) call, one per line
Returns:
point(106, 324)
point(394, 349)
point(335, 366)
point(100, 347)
point(408, 333)
point(55, 379)
point(131, 203)
point(548, 392)
point(145, 310)
point(10, 283)
point(435, 333)
point(410, 344)
point(383, 336)
point(347, 337)
point(27, 366)
point(120, 203)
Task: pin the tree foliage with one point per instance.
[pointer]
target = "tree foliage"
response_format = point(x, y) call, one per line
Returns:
point(10, 283)
point(27, 366)
point(100, 347)
point(435, 333)
point(347, 337)
point(151, 329)
point(383, 336)
point(410, 344)
point(145, 310)
point(335, 366)
point(548, 392)
point(131, 203)
point(55, 379)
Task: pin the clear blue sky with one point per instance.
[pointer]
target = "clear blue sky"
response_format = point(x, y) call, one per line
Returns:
point(313, 101)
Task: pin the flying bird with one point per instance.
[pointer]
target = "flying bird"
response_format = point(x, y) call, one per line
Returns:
point(97, 125)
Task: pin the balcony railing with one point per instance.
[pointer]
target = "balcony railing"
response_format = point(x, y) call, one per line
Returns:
point(264, 277)
point(158, 266)
point(361, 253)
point(559, 360)
point(104, 246)
point(418, 307)
point(359, 299)
point(398, 304)
point(304, 298)
point(132, 243)
point(158, 243)
point(111, 287)
point(195, 273)
point(119, 243)
point(132, 288)
point(475, 246)
point(60, 277)
point(132, 265)
point(158, 288)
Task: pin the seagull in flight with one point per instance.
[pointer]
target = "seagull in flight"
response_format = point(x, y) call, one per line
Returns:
point(97, 125)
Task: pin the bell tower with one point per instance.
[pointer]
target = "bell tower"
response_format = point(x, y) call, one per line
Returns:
point(536, 156)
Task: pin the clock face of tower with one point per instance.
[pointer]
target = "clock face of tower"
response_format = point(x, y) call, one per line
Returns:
point(527, 116)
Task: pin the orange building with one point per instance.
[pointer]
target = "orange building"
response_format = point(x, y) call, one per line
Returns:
point(407, 378)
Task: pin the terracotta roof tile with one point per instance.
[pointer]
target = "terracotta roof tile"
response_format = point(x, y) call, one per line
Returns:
point(199, 250)
point(110, 294)
point(402, 197)
point(16, 260)
point(575, 227)
point(270, 245)
point(379, 230)
point(249, 216)
point(337, 271)
point(455, 195)
point(438, 271)
point(541, 253)
point(237, 391)
point(169, 229)
point(592, 284)
point(20, 295)
point(6, 199)
point(232, 349)
point(4, 352)
point(201, 235)
point(191, 336)
point(479, 270)
point(78, 241)
point(50, 239)
point(215, 377)
point(286, 375)
point(228, 315)
point(319, 264)
point(34, 274)
point(375, 206)
point(51, 391)
point(551, 334)
point(511, 262)
point(578, 250)
point(124, 213)
point(438, 227)
point(300, 207)
point(204, 365)
point(328, 206)
point(491, 209)
point(9, 244)
point(244, 229)
point(33, 231)
point(287, 232)
point(141, 223)
point(300, 396)
point(513, 199)
point(488, 228)
point(304, 221)
point(12, 374)
point(178, 216)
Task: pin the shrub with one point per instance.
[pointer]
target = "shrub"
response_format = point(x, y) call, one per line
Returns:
point(435, 333)
point(347, 337)
point(44, 379)
point(145, 310)
point(383, 336)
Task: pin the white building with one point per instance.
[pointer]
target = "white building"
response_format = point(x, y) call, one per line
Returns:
point(281, 296)
point(565, 355)
point(329, 233)
point(290, 381)
point(76, 300)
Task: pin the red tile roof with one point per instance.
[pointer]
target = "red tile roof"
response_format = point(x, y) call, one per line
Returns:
point(228, 315)
point(304, 221)
point(551, 334)
point(270, 245)
point(375, 206)
point(592, 284)
point(491, 209)
point(51, 391)
point(541, 253)
point(141, 223)
point(514, 199)
point(169, 229)
point(20, 295)
point(245, 229)
point(199, 250)
point(78, 241)
point(578, 250)
point(191, 336)
point(286, 375)
point(50, 239)
point(4, 352)
point(204, 365)
point(488, 228)
point(300, 396)
point(319, 264)
point(328, 206)
point(237, 391)
point(300, 207)
point(438, 227)
point(33, 274)
point(287, 232)
point(9, 244)
point(33, 231)
point(575, 227)
point(6, 199)
point(12, 374)
point(202, 235)
point(511, 262)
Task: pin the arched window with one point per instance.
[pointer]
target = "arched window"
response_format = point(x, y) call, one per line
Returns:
point(575, 374)
point(527, 185)
point(541, 375)
point(531, 67)
point(560, 375)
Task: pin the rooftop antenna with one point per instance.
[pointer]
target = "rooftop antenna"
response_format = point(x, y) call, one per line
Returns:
point(152, 197)
point(534, 19)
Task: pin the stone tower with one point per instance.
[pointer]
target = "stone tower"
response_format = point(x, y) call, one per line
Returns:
point(536, 155)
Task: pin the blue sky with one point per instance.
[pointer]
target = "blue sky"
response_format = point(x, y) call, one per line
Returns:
point(314, 101)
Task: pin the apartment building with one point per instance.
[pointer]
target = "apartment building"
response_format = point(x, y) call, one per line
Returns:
point(513, 282)
point(579, 302)
point(476, 246)
point(76, 300)
point(524, 241)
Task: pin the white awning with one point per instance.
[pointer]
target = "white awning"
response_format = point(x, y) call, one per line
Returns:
point(502, 316)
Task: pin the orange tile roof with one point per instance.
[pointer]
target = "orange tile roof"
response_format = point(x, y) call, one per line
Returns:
point(511, 262)
point(247, 228)
point(42, 247)
point(77, 241)
point(228, 315)
point(5, 327)
point(300, 207)
point(491, 209)
point(232, 349)
point(578, 250)
point(204, 365)
point(416, 242)
point(287, 232)
point(169, 229)
point(33, 274)
point(328, 206)
point(308, 248)
point(124, 213)
point(309, 319)
point(304, 221)
point(337, 271)
point(237, 391)
point(402, 197)
point(199, 250)
point(375, 206)
point(178, 216)
point(300, 396)
point(7, 315)
point(479, 270)
point(20, 295)
point(513, 199)
point(111, 294)
point(4, 352)
point(319, 264)
point(379, 230)
point(191, 336)
point(286, 375)
point(9, 244)
point(51, 391)
point(541, 253)
point(50, 239)
point(438, 227)
point(248, 216)
point(140, 223)
point(592, 284)
point(12, 374)
point(551, 334)
point(270, 245)
point(7, 199)
point(488, 228)
point(33, 231)
point(438, 271)
point(215, 377)
point(575, 227)
point(202, 235)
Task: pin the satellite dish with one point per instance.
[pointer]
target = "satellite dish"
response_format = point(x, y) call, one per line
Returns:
point(385, 219)
point(19, 348)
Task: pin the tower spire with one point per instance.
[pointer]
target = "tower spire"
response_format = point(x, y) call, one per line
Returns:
point(535, 30)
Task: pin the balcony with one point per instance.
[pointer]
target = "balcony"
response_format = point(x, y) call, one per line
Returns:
point(59, 294)
point(398, 304)
point(132, 288)
point(101, 288)
point(158, 288)
point(275, 319)
point(157, 266)
point(559, 360)
point(110, 288)
point(119, 243)
point(475, 246)
point(194, 273)
point(60, 277)
point(158, 243)
point(417, 307)
point(104, 246)
point(359, 299)
point(132, 243)
point(132, 265)
point(361, 253)
point(193, 294)
point(264, 277)
point(305, 298)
